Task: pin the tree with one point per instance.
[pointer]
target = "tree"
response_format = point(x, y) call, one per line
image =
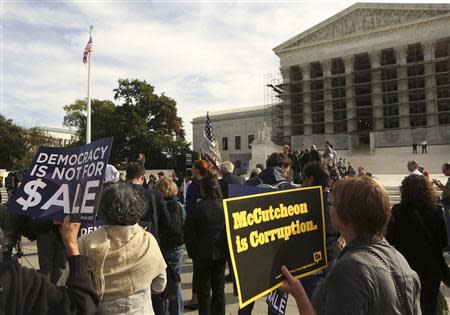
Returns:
point(141, 122)
point(18, 145)
point(12, 143)
point(34, 138)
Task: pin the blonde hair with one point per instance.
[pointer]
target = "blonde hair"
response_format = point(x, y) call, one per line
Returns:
point(167, 187)
point(364, 203)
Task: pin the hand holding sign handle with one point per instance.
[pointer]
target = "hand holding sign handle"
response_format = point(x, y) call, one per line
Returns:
point(294, 287)
point(69, 233)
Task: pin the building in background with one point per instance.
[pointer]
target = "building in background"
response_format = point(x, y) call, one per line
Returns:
point(58, 137)
point(234, 130)
point(374, 75)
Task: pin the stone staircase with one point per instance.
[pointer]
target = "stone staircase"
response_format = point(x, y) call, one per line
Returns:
point(394, 160)
point(394, 194)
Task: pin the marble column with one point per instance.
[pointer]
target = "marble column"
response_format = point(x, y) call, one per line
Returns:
point(307, 115)
point(377, 100)
point(430, 83)
point(350, 98)
point(402, 79)
point(327, 97)
point(350, 94)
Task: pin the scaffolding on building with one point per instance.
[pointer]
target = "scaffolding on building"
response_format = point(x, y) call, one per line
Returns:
point(380, 92)
point(274, 105)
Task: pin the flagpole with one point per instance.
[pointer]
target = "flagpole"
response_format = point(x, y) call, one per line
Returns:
point(88, 107)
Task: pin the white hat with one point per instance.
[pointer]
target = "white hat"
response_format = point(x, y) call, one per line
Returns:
point(111, 174)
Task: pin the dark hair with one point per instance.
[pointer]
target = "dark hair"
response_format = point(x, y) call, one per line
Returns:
point(446, 166)
point(274, 160)
point(416, 192)
point(260, 166)
point(135, 170)
point(285, 160)
point(253, 174)
point(210, 188)
point(121, 204)
point(160, 173)
point(202, 166)
point(317, 171)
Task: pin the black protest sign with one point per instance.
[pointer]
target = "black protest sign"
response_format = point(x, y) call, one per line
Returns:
point(64, 181)
point(268, 230)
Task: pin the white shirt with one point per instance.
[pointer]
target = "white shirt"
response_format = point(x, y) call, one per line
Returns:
point(417, 172)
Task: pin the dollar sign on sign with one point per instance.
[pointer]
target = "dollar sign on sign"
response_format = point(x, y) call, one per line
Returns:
point(33, 196)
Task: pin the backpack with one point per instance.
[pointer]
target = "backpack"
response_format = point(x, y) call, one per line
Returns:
point(177, 217)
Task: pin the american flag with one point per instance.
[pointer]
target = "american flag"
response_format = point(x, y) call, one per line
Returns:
point(89, 48)
point(209, 145)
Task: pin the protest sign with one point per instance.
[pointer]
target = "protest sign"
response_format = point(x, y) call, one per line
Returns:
point(63, 181)
point(271, 229)
point(90, 226)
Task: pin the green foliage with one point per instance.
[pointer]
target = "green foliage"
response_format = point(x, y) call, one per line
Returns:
point(18, 145)
point(12, 143)
point(141, 122)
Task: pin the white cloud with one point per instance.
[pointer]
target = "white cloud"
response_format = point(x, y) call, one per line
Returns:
point(207, 56)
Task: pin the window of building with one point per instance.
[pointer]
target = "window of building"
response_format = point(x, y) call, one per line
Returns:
point(418, 121)
point(391, 122)
point(442, 48)
point(444, 118)
point(295, 74)
point(316, 70)
point(387, 57)
point(237, 142)
point(361, 62)
point(225, 143)
point(442, 66)
point(415, 53)
point(416, 70)
point(250, 140)
point(337, 66)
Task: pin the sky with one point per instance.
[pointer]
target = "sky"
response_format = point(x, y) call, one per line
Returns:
point(207, 55)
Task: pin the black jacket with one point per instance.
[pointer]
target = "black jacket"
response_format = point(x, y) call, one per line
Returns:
point(162, 214)
point(307, 157)
point(25, 291)
point(204, 231)
point(316, 155)
point(229, 179)
point(271, 176)
point(407, 235)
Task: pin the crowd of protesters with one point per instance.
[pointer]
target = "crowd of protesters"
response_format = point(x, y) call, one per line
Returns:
point(382, 261)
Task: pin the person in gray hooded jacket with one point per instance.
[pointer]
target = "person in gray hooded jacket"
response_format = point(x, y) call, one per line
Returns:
point(370, 276)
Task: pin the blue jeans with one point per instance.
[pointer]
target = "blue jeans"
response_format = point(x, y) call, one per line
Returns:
point(174, 258)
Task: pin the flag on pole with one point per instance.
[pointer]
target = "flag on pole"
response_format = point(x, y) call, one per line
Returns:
point(89, 48)
point(209, 146)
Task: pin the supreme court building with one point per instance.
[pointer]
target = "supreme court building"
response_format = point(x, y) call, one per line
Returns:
point(375, 74)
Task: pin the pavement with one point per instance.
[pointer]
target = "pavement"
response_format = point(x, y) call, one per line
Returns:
point(231, 302)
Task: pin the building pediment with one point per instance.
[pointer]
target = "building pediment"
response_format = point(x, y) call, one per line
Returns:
point(363, 18)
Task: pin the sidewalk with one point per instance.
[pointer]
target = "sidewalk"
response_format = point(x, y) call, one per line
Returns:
point(231, 301)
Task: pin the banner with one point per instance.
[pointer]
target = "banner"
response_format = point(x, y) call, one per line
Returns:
point(271, 229)
point(90, 226)
point(64, 181)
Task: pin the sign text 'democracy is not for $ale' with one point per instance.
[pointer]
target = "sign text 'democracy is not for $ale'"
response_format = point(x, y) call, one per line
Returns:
point(64, 181)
